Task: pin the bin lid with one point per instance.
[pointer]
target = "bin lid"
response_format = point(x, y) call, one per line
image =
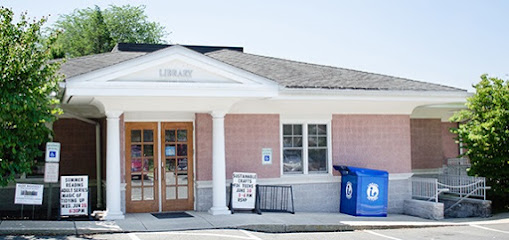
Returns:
point(356, 171)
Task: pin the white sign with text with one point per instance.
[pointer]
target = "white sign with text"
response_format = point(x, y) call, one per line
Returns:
point(73, 195)
point(243, 190)
point(30, 194)
point(51, 172)
point(52, 152)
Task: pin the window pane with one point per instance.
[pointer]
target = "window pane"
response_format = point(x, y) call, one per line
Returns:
point(317, 160)
point(136, 165)
point(287, 129)
point(148, 193)
point(169, 135)
point(135, 135)
point(148, 150)
point(322, 129)
point(182, 150)
point(182, 135)
point(182, 164)
point(135, 194)
point(297, 130)
point(322, 141)
point(135, 151)
point(170, 172)
point(297, 142)
point(148, 135)
point(171, 193)
point(312, 141)
point(311, 129)
point(182, 192)
point(292, 161)
point(287, 141)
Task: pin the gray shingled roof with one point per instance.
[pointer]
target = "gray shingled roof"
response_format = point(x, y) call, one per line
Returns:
point(80, 65)
point(290, 74)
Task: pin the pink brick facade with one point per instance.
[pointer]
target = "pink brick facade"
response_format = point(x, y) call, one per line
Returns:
point(372, 141)
point(449, 145)
point(203, 148)
point(432, 143)
point(245, 136)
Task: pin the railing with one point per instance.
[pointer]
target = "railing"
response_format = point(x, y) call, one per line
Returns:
point(458, 162)
point(464, 186)
point(426, 189)
point(273, 198)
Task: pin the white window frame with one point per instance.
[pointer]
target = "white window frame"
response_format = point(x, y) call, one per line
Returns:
point(305, 123)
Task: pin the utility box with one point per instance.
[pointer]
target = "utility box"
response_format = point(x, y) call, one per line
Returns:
point(363, 191)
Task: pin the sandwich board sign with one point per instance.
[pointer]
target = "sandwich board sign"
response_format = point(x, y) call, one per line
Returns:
point(243, 191)
point(74, 195)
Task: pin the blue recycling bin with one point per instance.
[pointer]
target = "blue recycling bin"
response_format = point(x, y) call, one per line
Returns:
point(363, 191)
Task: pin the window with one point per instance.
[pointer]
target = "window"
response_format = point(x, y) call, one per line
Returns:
point(305, 148)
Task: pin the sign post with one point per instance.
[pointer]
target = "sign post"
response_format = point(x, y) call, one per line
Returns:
point(28, 194)
point(243, 192)
point(74, 196)
point(51, 169)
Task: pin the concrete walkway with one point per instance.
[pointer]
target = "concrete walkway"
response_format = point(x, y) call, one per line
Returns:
point(267, 222)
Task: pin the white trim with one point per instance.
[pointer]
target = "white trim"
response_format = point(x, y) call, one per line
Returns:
point(159, 116)
point(400, 176)
point(370, 95)
point(424, 171)
point(301, 179)
point(159, 167)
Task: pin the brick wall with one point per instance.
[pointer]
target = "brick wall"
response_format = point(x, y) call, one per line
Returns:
point(372, 141)
point(426, 143)
point(449, 146)
point(432, 143)
point(245, 136)
point(203, 148)
point(77, 153)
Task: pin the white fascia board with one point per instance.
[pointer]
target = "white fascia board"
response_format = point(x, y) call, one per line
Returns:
point(371, 95)
point(168, 90)
point(169, 54)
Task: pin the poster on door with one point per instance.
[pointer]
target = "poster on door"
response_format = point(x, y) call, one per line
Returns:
point(243, 190)
point(74, 195)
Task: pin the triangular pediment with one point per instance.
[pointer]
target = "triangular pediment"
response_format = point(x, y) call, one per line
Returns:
point(177, 70)
point(174, 64)
point(173, 71)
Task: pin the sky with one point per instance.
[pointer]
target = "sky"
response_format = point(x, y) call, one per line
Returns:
point(446, 42)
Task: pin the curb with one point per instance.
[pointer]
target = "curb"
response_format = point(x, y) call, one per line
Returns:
point(267, 228)
point(283, 228)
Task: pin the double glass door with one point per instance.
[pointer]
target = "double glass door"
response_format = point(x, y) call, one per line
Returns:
point(159, 170)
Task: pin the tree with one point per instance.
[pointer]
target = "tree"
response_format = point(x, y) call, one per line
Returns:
point(91, 30)
point(484, 134)
point(28, 89)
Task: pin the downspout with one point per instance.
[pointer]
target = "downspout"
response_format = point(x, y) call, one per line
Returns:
point(97, 154)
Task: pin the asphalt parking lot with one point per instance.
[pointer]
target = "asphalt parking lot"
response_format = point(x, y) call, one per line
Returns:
point(470, 232)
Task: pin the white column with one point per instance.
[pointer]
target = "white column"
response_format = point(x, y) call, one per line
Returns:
point(113, 166)
point(218, 166)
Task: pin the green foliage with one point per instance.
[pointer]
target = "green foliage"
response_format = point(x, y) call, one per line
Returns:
point(92, 30)
point(484, 134)
point(28, 89)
